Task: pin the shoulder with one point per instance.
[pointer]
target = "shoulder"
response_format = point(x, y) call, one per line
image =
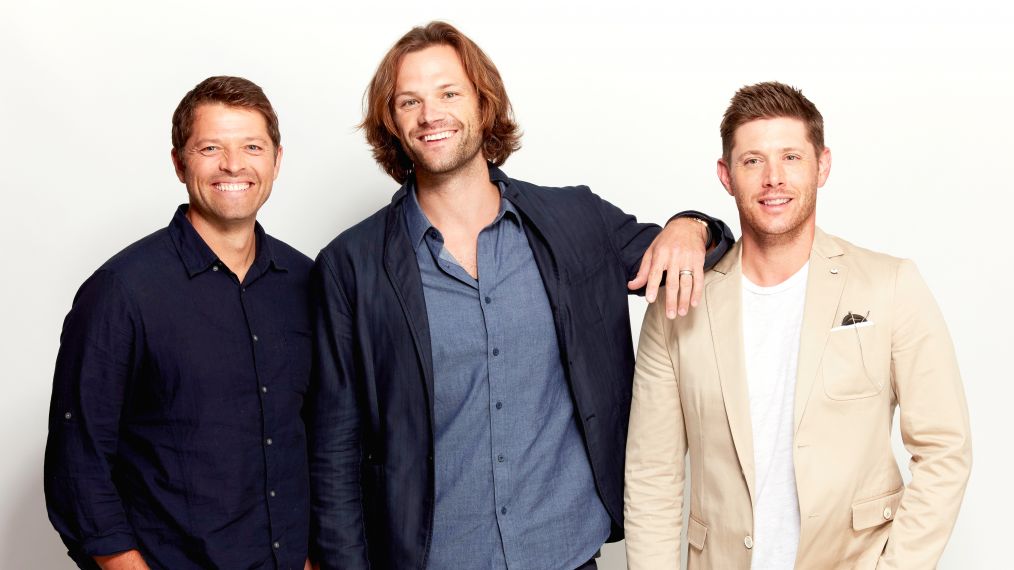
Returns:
point(364, 239)
point(555, 194)
point(143, 259)
point(866, 260)
point(288, 256)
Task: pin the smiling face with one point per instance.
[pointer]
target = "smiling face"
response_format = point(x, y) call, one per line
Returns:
point(773, 172)
point(228, 164)
point(436, 110)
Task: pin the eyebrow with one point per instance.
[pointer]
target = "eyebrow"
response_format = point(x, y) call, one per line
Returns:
point(439, 88)
point(784, 149)
point(204, 141)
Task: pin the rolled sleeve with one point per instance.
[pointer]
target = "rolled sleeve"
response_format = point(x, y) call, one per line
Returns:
point(93, 368)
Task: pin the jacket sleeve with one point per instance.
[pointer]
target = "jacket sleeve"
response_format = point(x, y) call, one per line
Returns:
point(631, 238)
point(337, 532)
point(656, 448)
point(934, 427)
point(94, 366)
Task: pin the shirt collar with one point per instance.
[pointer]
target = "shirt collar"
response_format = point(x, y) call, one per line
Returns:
point(198, 257)
point(419, 224)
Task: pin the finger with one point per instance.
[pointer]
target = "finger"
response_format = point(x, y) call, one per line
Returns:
point(672, 287)
point(642, 272)
point(686, 286)
point(698, 291)
point(659, 264)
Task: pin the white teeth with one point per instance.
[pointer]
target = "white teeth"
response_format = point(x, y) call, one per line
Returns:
point(224, 187)
point(777, 202)
point(437, 136)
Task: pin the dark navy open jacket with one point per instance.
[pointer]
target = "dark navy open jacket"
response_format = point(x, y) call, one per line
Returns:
point(371, 418)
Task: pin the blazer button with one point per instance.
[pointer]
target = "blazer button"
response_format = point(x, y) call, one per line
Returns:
point(887, 512)
point(748, 542)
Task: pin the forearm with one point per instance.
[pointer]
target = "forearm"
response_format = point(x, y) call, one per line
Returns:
point(129, 560)
point(93, 367)
point(656, 447)
point(934, 427)
point(337, 532)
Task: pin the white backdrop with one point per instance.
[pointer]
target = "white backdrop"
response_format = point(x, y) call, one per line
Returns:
point(917, 101)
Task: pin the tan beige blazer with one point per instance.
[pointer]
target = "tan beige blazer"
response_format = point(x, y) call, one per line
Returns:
point(690, 395)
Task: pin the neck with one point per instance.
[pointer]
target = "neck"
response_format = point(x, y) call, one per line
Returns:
point(463, 201)
point(770, 260)
point(235, 245)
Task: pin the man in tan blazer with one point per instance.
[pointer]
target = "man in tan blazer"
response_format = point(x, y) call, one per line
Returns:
point(784, 384)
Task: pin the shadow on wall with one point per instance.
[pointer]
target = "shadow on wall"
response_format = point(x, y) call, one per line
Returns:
point(29, 540)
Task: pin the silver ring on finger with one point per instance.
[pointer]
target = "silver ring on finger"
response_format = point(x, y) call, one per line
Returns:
point(689, 272)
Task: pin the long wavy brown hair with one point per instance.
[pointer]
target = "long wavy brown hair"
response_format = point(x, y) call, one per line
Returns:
point(500, 133)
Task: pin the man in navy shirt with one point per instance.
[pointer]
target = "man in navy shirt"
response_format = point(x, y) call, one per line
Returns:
point(175, 435)
point(473, 353)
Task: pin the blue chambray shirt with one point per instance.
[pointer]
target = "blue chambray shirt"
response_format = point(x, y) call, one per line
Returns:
point(514, 486)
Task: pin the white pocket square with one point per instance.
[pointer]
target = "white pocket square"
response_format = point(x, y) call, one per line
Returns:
point(855, 326)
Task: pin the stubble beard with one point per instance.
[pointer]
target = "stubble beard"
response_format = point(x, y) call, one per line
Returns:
point(780, 233)
point(467, 148)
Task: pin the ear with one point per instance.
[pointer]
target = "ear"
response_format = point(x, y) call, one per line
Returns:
point(725, 175)
point(178, 164)
point(278, 162)
point(823, 167)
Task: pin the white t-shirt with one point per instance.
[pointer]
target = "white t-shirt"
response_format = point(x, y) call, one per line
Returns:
point(772, 319)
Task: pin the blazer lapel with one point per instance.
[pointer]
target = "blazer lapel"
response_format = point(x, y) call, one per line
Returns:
point(724, 295)
point(403, 271)
point(825, 283)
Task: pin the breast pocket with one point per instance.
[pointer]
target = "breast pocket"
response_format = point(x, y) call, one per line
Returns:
point(298, 356)
point(853, 366)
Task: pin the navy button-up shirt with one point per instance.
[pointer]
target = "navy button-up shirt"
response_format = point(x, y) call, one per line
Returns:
point(175, 424)
point(514, 487)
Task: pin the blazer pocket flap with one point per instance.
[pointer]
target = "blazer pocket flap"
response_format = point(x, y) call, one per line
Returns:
point(697, 533)
point(874, 512)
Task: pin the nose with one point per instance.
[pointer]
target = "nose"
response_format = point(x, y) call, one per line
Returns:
point(232, 162)
point(432, 112)
point(774, 176)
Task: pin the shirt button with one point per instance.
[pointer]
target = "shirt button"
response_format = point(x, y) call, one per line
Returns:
point(499, 405)
point(503, 510)
point(887, 512)
point(748, 542)
point(500, 458)
point(276, 545)
point(214, 268)
point(255, 339)
point(264, 389)
point(68, 416)
point(272, 493)
point(496, 352)
point(434, 234)
point(488, 300)
point(242, 290)
point(268, 441)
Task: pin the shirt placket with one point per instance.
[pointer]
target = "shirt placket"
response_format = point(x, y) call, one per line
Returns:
point(260, 343)
point(486, 259)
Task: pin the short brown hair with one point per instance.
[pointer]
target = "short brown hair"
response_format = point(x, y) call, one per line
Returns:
point(224, 90)
point(500, 134)
point(770, 100)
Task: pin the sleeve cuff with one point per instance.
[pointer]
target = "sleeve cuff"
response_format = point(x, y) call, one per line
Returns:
point(109, 544)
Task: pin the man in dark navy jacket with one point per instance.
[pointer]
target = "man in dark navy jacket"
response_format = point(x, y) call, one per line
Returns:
point(473, 354)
